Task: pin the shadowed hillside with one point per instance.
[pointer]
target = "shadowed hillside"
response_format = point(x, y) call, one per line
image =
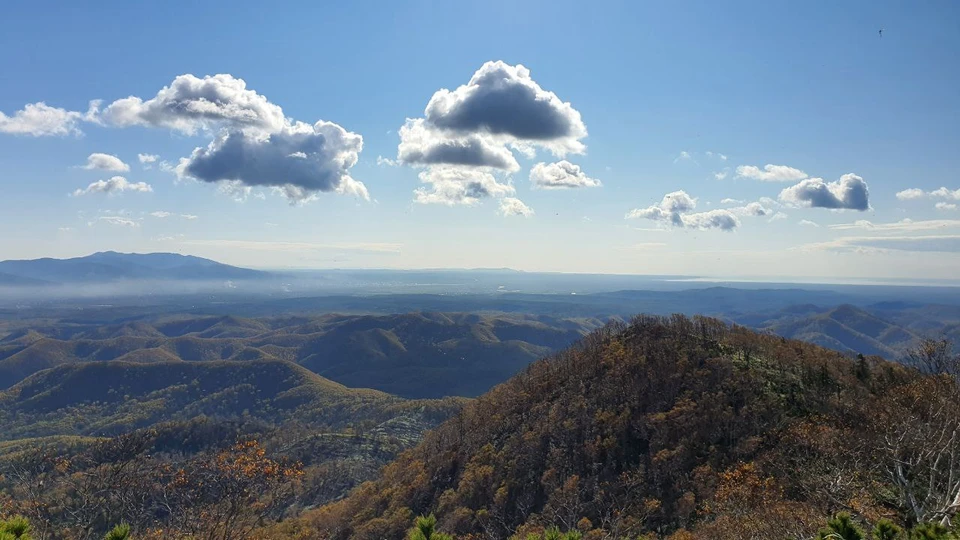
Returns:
point(110, 398)
point(416, 355)
point(850, 329)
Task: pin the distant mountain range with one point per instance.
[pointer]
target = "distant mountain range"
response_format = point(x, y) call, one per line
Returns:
point(110, 266)
point(886, 329)
point(415, 355)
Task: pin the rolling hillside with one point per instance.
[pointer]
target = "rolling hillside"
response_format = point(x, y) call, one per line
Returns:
point(112, 398)
point(417, 355)
point(847, 328)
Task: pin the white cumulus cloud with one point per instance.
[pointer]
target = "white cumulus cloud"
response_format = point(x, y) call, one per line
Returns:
point(39, 120)
point(511, 206)
point(504, 101)
point(560, 175)
point(850, 193)
point(912, 193)
point(112, 186)
point(190, 104)
point(456, 186)
point(946, 193)
point(301, 160)
point(422, 145)
point(771, 173)
point(105, 162)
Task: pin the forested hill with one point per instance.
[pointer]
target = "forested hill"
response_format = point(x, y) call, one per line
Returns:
point(682, 428)
point(113, 398)
point(413, 355)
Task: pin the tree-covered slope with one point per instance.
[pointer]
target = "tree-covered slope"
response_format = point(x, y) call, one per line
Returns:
point(110, 398)
point(663, 426)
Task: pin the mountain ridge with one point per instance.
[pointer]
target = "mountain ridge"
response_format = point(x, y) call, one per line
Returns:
point(112, 266)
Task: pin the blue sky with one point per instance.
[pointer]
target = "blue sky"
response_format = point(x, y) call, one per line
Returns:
point(664, 91)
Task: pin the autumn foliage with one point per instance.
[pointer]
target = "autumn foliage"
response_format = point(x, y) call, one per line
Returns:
point(673, 427)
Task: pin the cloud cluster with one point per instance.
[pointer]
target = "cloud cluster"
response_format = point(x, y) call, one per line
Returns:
point(113, 186)
point(848, 193)
point(472, 132)
point(771, 173)
point(40, 119)
point(676, 209)
point(560, 175)
point(105, 162)
point(940, 193)
point(254, 144)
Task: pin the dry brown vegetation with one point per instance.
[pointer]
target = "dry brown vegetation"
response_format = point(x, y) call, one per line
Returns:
point(675, 427)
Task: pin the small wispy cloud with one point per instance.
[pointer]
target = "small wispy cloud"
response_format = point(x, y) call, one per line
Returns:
point(879, 244)
point(771, 173)
point(386, 162)
point(899, 226)
point(685, 156)
point(161, 214)
point(643, 246)
point(259, 245)
point(117, 221)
